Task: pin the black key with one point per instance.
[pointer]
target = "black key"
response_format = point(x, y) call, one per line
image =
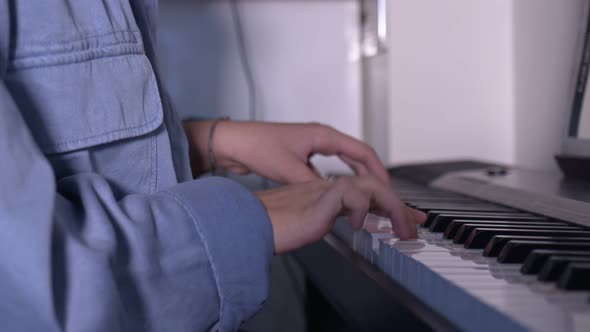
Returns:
point(432, 214)
point(556, 265)
point(440, 223)
point(575, 277)
point(445, 200)
point(497, 243)
point(456, 225)
point(485, 207)
point(465, 208)
point(516, 251)
point(418, 195)
point(480, 237)
point(466, 203)
point(537, 258)
point(465, 230)
point(434, 198)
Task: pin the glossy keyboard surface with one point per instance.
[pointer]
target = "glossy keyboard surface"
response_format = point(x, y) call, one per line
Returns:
point(475, 292)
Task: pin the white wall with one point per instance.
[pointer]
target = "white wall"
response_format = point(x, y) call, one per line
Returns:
point(467, 78)
point(451, 82)
point(545, 36)
point(304, 56)
point(482, 79)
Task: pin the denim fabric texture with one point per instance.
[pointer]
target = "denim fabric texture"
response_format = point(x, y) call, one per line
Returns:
point(101, 226)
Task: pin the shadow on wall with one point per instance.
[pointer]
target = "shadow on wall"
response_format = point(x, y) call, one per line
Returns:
point(195, 41)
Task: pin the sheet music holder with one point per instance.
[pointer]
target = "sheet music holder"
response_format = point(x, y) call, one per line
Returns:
point(574, 160)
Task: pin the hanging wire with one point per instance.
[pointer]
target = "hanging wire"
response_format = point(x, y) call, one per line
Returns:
point(245, 60)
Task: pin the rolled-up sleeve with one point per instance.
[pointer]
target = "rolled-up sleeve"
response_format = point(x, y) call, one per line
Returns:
point(75, 257)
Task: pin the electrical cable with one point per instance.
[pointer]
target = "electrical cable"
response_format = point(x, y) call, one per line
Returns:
point(245, 60)
point(247, 70)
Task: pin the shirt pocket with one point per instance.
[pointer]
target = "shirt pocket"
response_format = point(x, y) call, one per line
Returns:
point(87, 103)
point(79, 73)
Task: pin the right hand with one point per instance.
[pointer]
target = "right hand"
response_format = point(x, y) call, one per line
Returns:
point(303, 213)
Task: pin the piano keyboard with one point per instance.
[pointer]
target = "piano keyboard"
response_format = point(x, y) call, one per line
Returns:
point(483, 266)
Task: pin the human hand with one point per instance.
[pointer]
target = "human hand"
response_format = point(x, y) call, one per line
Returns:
point(303, 213)
point(280, 152)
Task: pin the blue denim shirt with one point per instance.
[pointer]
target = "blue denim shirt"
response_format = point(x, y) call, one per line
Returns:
point(101, 226)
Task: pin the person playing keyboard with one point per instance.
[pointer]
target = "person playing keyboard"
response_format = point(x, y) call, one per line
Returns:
point(102, 226)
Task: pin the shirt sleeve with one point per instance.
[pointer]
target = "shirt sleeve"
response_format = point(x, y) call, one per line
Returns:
point(74, 257)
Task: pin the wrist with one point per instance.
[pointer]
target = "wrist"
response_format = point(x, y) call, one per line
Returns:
point(212, 159)
point(197, 133)
point(227, 143)
point(221, 149)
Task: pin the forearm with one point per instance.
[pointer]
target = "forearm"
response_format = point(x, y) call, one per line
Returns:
point(77, 256)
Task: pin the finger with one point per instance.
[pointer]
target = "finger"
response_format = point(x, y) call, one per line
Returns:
point(391, 205)
point(411, 223)
point(359, 168)
point(344, 195)
point(414, 216)
point(332, 142)
point(411, 226)
point(357, 203)
point(419, 216)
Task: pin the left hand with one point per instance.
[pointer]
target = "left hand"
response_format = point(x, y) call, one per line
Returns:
point(280, 152)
